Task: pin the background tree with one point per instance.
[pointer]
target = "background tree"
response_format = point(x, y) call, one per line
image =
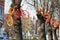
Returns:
point(55, 14)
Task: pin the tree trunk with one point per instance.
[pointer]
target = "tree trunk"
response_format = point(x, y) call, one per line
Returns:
point(18, 26)
point(55, 14)
point(18, 32)
point(41, 28)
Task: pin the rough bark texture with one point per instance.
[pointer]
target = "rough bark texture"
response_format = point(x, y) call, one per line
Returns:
point(18, 23)
point(55, 14)
point(41, 28)
point(44, 28)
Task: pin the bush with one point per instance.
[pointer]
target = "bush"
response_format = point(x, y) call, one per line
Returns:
point(12, 39)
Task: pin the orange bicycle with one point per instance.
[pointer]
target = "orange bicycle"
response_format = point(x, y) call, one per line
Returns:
point(9, 19)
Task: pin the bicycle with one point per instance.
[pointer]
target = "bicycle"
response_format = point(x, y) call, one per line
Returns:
point(19, 13)
point(9, 19)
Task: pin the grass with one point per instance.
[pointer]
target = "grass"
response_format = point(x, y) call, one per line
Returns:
point(34, 38)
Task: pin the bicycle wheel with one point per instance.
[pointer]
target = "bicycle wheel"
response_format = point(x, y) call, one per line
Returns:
point(9, 20)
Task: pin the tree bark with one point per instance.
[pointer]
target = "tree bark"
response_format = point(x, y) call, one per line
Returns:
point(41, 28)
point(18, 22)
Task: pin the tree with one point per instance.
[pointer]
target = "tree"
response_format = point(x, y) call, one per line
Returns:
point(42, 30)
point(55, 10)
point(18, 22)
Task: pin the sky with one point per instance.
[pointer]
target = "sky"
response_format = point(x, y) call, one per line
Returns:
point(26, 6)
point(7, 4)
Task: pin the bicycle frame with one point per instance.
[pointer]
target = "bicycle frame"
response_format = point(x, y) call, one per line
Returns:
point(9, 16)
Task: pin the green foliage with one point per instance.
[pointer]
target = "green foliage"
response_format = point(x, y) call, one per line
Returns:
point(12, 39)
point(34, 38)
